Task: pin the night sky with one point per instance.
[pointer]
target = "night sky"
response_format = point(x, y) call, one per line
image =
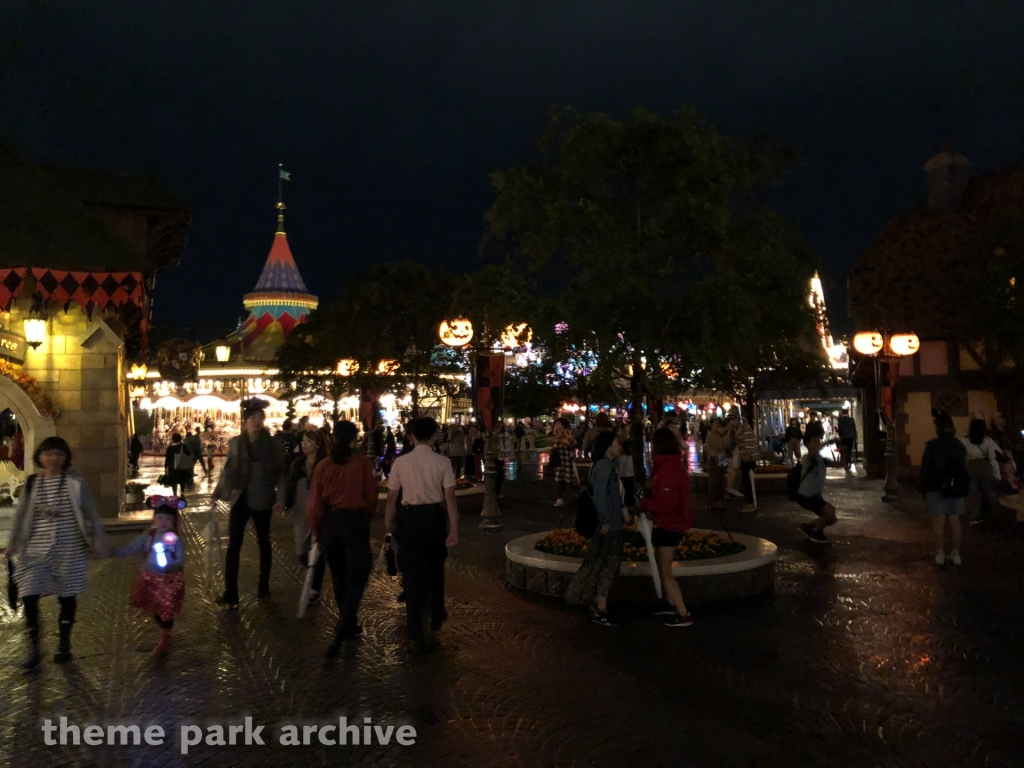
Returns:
point(390, 115)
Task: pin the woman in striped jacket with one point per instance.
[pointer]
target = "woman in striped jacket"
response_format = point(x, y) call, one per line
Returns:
point(55, 525)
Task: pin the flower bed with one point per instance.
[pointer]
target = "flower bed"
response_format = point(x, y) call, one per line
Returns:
point(771, 469)
point(696, 545)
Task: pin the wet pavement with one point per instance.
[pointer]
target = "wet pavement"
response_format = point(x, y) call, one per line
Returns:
point(866, 654)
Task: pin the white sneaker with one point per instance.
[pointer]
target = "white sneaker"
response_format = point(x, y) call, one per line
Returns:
point(954, 557)
point(735, 493)
point(940, 558)
point(559, 502)
point(748, 509)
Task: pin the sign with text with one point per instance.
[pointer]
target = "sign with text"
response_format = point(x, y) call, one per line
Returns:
point(12, 346)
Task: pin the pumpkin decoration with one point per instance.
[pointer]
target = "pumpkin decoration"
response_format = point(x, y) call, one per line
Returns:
point(904, 344)
point(516, 335)
point(457, 332)
point(388, 367)
point(347, 367)
point(868, 342)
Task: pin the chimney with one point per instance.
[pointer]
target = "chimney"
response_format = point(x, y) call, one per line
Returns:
point(948, 173)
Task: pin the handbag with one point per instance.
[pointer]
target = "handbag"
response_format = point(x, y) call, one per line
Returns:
point(184, 461)
point(723, 460)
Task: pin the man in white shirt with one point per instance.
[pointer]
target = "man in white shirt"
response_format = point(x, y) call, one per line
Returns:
point(425, 525)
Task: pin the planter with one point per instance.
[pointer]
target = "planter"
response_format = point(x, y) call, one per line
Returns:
point(134, 497)
point(749, 573)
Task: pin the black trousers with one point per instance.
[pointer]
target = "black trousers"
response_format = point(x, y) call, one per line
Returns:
point(68, 609)
point(345, 541)
point(746, 467)
point(240, 514)
point(421, 532)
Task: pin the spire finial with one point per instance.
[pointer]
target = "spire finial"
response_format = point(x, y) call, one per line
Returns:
point(282, 177)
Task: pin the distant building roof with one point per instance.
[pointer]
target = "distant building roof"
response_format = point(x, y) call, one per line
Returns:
point(913, 276)
point(72, 219)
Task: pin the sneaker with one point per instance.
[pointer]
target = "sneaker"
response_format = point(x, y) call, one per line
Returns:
point(940, 558)
point(735, 494)
point(604, 619)
point(954, 557)
point(807, 529)
point(747, 509)
point(314, 597)
point(559, 502)
point(819, 537)
point(230, 602)
point(670, 611)
point(680, 621)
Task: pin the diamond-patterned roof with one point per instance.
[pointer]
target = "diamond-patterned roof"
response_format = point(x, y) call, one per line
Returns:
point(280, 272)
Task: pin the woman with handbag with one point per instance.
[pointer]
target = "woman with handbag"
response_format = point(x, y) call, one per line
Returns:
point(718, 448)
point(593, 581)
point(178, 463)
point(312, 450)
point(55, 526)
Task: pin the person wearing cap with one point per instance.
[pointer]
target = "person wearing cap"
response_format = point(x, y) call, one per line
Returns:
point(160, 588)
point(56, 524)
point(425, 526)
point(255, 483)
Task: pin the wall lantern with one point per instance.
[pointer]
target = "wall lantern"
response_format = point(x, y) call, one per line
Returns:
point(35, 331)
point(347, 367)
point(138, 371)
point(904, 344)
point(457, 332)
point(868, 343)
point(223, 353)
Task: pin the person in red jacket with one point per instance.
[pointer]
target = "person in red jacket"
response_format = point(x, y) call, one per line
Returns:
point(668, 501)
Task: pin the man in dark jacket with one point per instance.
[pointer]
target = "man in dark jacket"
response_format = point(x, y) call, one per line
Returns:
point(944, 484)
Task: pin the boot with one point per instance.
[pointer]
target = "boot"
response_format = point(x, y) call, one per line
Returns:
point(164, 644)
point(63, 655)
point(34, 655)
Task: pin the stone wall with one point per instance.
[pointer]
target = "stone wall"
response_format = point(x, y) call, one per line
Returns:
point(79, 366)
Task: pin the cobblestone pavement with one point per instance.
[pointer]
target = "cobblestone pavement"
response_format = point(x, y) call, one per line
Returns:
point(866, 654)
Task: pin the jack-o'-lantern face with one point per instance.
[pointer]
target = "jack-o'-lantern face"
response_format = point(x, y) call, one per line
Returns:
point(868, 342)
point(388, 367)
point(516, 335)
point(456, 333)
point(669, 369)
point(347, 367)
point(904, 344)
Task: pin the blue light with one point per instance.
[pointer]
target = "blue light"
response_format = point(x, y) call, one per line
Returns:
point(161, 556)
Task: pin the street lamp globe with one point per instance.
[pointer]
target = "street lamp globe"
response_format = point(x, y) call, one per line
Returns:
point(904, 344)
point(868, 343)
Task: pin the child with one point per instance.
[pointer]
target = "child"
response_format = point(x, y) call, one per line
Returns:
point(812, 486)
point(160, 589)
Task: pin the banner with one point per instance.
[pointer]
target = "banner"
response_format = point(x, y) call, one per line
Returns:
point(488, 392)
point(889, 375)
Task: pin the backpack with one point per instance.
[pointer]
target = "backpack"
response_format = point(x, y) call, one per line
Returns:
point(586, 511)
point(793, 480)
point(956, 483)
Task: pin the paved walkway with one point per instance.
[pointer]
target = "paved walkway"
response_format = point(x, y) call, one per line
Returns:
point(866, 655)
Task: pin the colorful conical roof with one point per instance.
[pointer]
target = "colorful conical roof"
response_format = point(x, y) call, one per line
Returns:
point(280, 302)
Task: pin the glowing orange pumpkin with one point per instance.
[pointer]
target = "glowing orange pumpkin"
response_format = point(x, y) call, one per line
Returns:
point(457, 332)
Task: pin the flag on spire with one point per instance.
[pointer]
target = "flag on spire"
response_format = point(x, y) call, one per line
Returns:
point(285, 175)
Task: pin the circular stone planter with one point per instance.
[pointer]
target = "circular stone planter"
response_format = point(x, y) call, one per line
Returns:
point(751, 572)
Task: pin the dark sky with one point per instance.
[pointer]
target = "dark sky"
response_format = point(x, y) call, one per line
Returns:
point(390, 115)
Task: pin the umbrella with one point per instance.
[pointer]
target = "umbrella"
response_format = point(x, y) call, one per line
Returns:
point(646, 527)
point(12, 587)
point(307, 585)
point(214, 551)
point(753, 488)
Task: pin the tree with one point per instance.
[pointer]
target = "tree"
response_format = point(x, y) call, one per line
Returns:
point(755, 328)
point(620, 221)
point(386, 315)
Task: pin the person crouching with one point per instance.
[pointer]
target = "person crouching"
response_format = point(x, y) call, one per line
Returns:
point(160, 588)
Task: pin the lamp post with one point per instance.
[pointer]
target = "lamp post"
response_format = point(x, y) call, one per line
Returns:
point(457, 333)
point(883, 346)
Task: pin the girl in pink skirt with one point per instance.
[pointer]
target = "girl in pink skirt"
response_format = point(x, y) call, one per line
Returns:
point(160, 589)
